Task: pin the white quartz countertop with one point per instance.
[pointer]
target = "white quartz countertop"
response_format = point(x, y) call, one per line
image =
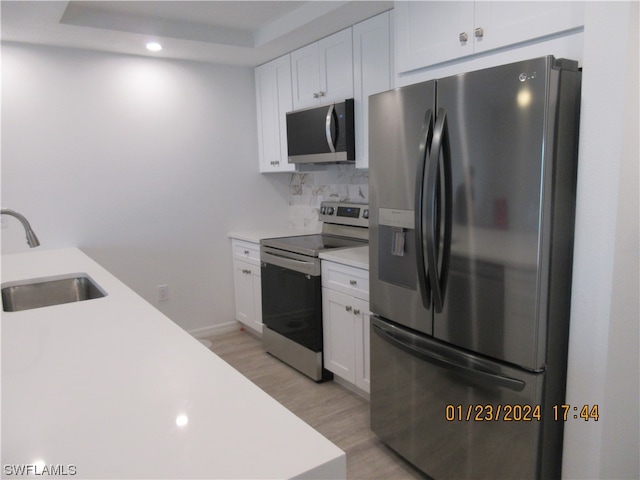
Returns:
point(254, 236)
point(354, 257)
point(112, 388)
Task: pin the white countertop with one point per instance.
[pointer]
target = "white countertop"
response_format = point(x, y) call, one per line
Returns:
point(99, 385)
point(254, 236)
point(354, 257)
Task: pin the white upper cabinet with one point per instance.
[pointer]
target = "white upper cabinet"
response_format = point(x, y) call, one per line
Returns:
point(273, 100)
point(372, 73)
point(428, 33)
point(506, 23)
point(306, 75)
point(323, 71)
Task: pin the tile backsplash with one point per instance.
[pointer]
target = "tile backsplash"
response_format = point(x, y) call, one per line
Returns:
point(339, 183)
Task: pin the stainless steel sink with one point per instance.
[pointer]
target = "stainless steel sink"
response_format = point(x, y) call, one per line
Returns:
point(48, 291)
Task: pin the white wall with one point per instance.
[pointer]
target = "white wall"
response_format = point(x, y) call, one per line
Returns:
point(145, 164)
point(604, 341)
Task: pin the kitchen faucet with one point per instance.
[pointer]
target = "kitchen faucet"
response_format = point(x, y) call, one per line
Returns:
point(32, 240)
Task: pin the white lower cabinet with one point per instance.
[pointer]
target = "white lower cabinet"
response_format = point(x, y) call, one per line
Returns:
point(246, 282)
point(345, 323)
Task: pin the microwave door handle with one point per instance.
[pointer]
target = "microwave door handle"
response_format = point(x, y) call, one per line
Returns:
point(327, 130)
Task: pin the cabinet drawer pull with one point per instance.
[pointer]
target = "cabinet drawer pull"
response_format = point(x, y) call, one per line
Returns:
point(463, 37)
point(348, 308)
point(479, 32)
point(246, 252)
point(353, 282)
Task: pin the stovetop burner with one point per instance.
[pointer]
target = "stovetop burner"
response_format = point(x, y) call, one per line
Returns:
point(312, 245)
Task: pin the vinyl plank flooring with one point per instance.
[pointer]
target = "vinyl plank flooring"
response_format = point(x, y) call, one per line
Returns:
point(337, 413)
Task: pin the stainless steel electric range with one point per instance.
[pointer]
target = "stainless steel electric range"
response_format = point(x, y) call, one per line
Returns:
point(292, 287)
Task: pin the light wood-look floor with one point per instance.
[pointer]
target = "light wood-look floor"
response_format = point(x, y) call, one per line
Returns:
point(337, 413)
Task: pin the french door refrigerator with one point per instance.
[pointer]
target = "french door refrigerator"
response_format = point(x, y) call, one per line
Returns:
point(472, 194)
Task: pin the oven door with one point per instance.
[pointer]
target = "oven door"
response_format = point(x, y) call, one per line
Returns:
point(292, 296)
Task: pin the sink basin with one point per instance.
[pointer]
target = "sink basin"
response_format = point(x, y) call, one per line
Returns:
point(48, 291)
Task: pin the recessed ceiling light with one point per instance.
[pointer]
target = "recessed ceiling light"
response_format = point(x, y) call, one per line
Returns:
point(154, 46)
point(182, 420)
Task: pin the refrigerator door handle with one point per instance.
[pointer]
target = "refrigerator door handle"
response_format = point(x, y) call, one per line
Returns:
point(420, 199)
point(410, 344)
point(327, 126)
point(436, 193)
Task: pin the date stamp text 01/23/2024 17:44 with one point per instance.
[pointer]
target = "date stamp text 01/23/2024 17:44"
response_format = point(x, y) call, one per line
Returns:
point(518, 413)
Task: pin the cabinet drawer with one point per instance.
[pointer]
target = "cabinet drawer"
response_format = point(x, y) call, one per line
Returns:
point(246, 251)
point(342, 278)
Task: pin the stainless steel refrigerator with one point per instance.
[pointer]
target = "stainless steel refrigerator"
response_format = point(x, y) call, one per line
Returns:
point(472, 195)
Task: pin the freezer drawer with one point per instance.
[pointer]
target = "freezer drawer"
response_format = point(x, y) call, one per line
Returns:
point(451, 414)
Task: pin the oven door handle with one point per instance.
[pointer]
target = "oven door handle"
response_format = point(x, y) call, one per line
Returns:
point(308, 267)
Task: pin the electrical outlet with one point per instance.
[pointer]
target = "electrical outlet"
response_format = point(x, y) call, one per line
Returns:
point(163, 293)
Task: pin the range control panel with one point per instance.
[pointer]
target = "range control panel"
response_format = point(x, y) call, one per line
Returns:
point(355, 214)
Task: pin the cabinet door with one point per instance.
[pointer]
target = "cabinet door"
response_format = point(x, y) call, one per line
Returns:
point(430, 32)
point(244, 292)
point(336, 67)
point(363, 380)
point(273, 101)
point(339, 331)
point(372, 74)
point(498, 24)
point(305, 75)
point(323, 71)
point(256, 291)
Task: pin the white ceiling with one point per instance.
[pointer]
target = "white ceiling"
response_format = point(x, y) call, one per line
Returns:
point(236, 32)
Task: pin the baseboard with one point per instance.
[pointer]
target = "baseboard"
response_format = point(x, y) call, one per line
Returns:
point(212, 330)
point(351, 387)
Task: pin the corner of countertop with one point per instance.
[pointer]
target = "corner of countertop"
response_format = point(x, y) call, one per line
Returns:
point(255, 235)
point(357, 257)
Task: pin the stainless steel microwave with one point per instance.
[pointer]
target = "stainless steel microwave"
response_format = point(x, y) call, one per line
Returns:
point(322, 134)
